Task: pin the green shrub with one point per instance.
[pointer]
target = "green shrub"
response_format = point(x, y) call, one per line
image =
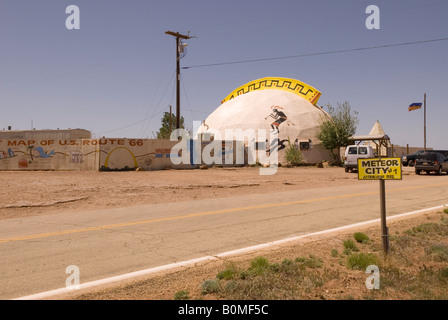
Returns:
point(293, 155)
point(245, 274)
point(424, 228)
point(274, 267)
point(258, 265)
point(311, 262)
point(444, 221)
point(287, 262)
point(181, 295)
point(334, 253)
point(350, 245)
point(361, 237)
point(361, 260)
point(444, 273)
point(229, 273)
point(439, 253)
point(231, 286)
point(210, 286)
point(429, 227)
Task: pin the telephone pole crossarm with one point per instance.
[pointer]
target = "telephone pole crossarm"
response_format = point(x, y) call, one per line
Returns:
point(178, 35)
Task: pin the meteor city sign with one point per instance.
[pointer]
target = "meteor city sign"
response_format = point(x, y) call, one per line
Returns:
point(379, 169)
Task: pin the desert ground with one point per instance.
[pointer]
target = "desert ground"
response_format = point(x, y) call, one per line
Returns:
point(49, 193)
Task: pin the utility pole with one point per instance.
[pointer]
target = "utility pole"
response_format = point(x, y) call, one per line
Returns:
point(424, 126)
point(170, 121)
point(178, 51)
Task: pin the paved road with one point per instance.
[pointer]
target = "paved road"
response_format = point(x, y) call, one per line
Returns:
point(36, 251)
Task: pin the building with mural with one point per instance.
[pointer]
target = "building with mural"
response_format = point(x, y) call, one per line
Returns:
point(75, 150)
point(285, 106)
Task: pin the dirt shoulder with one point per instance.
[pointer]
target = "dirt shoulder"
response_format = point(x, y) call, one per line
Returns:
point(52, 192)
point(41, 193)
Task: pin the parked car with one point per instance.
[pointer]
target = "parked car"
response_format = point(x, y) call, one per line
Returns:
point(409, 159)
point(431, 161)
point(355, 152)
point(444, 152)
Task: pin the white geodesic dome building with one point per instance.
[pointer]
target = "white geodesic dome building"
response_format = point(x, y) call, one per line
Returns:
point(286, 106)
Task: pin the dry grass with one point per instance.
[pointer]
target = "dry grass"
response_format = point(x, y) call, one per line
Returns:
point(416, 268)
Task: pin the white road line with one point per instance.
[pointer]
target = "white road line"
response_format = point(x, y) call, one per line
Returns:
point(135, 274)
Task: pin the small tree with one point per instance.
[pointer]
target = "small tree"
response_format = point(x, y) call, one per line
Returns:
point(166, 129)
point(336, 130)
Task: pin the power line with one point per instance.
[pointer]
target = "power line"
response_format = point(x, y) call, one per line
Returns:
point(130, 125)
point(144, 128)
point(186, 97)
point(157, 107)
point(315, 54)
point(155, 112)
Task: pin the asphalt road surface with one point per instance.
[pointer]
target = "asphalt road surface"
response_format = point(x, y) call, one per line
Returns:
point(36, 251)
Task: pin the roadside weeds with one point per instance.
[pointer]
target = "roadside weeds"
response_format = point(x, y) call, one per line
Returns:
point(330, 268)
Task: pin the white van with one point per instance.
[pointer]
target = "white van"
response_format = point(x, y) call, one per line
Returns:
point(355, 152)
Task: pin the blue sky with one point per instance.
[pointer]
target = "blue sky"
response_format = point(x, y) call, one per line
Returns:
point(115, 75)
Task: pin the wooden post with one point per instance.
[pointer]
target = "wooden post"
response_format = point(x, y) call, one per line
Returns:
point(384, 229)
point(424, 127)
point(177, 84)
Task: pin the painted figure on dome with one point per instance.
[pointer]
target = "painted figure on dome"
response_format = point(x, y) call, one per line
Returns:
point(279, 117)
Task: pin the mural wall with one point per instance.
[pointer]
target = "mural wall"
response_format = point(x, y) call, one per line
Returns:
point(48, 154)
point(105, 154)
point(84, 154)
point(128, 154)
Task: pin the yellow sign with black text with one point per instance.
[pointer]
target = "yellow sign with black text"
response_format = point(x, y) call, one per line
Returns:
point(379, 169)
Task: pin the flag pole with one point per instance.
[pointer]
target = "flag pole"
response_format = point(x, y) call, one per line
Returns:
point(424, 128)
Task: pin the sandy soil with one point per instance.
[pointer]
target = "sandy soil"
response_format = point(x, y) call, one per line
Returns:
point(42, 193)
point(37, 193)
